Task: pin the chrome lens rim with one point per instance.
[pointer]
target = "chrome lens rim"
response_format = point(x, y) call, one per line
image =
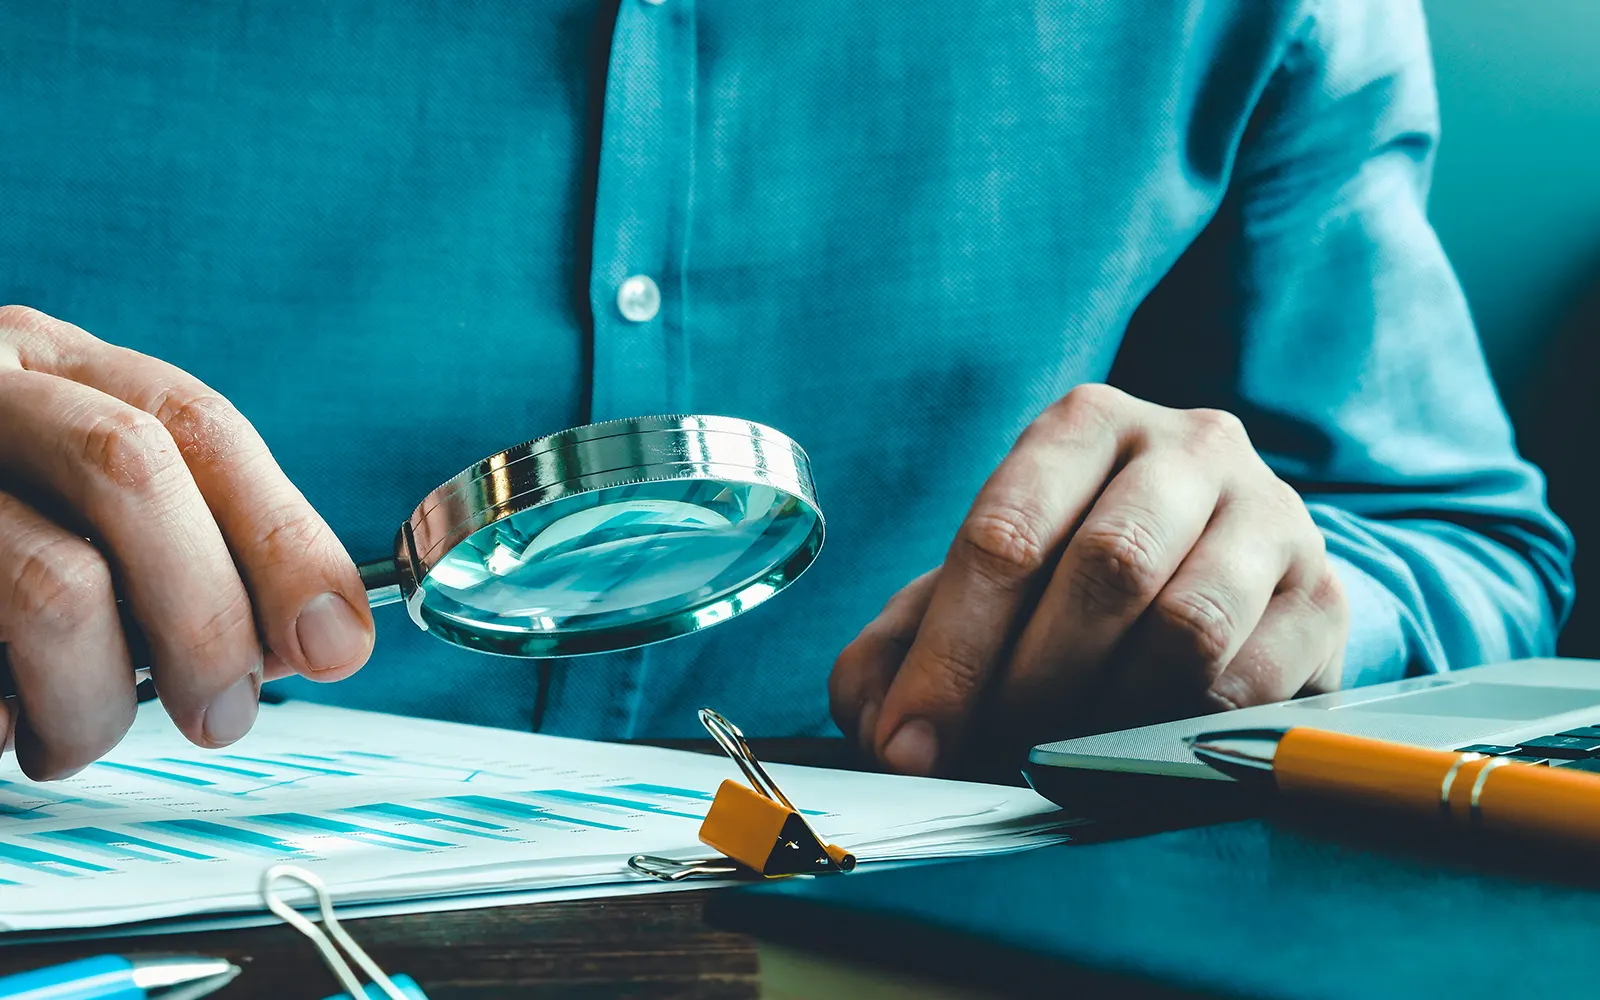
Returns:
point(597, 457)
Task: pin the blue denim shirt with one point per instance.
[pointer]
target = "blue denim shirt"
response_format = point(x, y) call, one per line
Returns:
point(393, 233)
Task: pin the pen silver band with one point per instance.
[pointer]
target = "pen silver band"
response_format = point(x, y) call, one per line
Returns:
point(1476, 813)
point(1450, 779)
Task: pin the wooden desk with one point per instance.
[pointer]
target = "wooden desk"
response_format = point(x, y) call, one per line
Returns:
point(631, 947)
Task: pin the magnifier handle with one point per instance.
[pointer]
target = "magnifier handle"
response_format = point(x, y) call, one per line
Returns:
point(380, 577)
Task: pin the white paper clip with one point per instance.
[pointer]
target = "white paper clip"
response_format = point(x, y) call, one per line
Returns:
point(382, 987)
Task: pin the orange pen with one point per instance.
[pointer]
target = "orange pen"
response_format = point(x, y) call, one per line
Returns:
point(1491, 792)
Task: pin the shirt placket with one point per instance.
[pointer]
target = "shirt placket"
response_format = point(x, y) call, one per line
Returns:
point(646, 163)
point(636, 294)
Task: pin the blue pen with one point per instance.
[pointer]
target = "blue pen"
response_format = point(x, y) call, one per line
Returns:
point(112, 977)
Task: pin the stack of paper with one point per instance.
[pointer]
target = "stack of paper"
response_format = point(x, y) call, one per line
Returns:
point(410, 813)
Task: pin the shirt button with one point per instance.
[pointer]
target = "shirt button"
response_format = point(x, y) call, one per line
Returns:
point(638, 299)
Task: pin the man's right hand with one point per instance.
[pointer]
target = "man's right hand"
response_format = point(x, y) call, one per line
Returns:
point(117, 468)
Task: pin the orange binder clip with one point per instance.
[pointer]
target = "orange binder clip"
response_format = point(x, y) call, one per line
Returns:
point(755, 827)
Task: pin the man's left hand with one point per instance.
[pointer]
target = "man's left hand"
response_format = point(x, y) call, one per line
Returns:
point(1126, 563)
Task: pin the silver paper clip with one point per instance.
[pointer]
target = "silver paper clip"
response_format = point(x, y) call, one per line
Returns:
point(757, 829)
point(335, 938)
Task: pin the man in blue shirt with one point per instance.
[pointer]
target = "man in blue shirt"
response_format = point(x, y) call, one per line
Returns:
point(385, 240)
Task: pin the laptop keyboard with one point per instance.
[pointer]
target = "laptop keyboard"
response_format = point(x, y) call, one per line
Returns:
point(1578, 749)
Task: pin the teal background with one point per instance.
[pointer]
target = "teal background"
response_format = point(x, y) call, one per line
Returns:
point(1516, 201)
point(1516, 195)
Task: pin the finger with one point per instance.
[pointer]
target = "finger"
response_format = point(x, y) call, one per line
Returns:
point(1298, 648)
point(120, 469)
point(1203, 616)
point(307, 597)
point(1130, 544)
point(865, 668)
point(1018, 523)
point(64, 644)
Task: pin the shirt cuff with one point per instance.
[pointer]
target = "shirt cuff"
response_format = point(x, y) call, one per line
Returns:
point(1377, 650)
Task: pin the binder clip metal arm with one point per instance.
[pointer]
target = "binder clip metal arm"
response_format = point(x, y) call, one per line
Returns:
point(336, 944)
point(755, 827)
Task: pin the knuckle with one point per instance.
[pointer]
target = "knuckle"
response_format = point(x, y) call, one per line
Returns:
point(288, 536)
point(223, 638)
point(129, 448)
point(1119, 567)
point(60, 584)
point(1210, 430)
point(37, 339)
point(24, 318)
point(1287, 499)
point(1327, 593)
point(842, 681)
point(848, 684)
point(1091, 402)
point(203, 424)
point(953, 675)
point(1004, 543)
point(1202, 625)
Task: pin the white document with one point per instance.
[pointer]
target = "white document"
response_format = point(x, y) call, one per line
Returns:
point(389, 810)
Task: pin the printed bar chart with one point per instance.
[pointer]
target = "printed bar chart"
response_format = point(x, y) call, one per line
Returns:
point(31, 801)
point(157, 774)
point(522, 811)
point(460, 825)
point(46, 862)
point(121, 846)
point(351, 831)
point(610, 803)
point(227, 837)
point(686, 795)
point(391, 810)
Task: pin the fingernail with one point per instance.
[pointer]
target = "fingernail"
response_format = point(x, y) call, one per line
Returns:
point(867, 728)
point(913, 749)
point(330, 633)
point(232, 713)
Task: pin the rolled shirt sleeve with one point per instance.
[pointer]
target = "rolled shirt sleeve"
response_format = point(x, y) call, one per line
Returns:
point(1319, 306)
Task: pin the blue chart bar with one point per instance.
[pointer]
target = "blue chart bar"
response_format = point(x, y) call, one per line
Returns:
point(109, 843)
point(45, 795)
point(520, 810)
point(150, 772)
point(459, 772)
point(292, 766)
point(350, 831)
point(612, 802)
point(23, 812)
point(220, 768)
point(459, 825)
point(673, 792)
point(312, 756)
point(50, 864)
point(228, 836)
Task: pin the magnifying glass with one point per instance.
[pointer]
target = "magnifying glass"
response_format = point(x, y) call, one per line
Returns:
point(601, 538)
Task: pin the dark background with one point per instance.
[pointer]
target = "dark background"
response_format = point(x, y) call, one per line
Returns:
point(1557, 414)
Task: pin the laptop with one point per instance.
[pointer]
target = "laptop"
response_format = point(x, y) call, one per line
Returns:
point(1512, 708)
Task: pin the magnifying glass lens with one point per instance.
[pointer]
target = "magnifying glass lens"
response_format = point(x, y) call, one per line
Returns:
point(619, 566)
